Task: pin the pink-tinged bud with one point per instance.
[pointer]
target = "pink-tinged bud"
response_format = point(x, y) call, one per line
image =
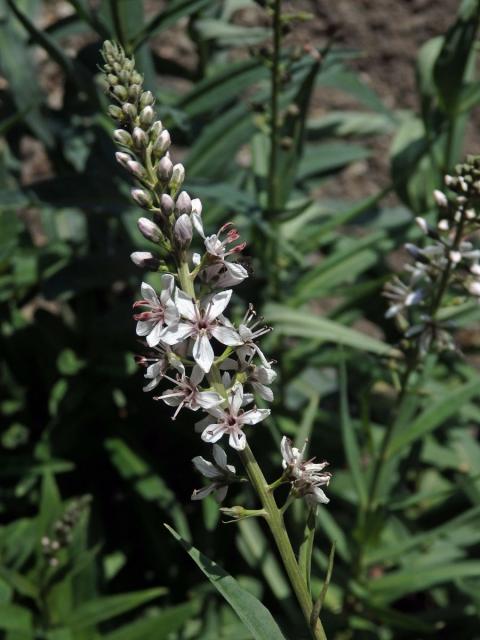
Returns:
point(142, 198)
point(162, 144)
point(122, 137)
point(474, 288)
point(183, 204)
point(164, 169)
point(145, 260)
point(147, 115)
point(146, 99)
point(197, 206)
point(130, 110)
point(140, 139)
point(440, 198)
point(178, 176)
point(149, 230)
point(183, 231)
point(136, 169)
point(166, 204)
point(123, 159)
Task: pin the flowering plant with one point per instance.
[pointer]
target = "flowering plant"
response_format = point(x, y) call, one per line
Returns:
point(214, 365)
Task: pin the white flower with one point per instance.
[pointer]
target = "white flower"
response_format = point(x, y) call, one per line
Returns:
point(220, 473)
point(249, 332)
point(162, 311)
point(305, 475)
point(260, 377)
point(202, 322)
point(187, 394)
point(223, 273)
point(401, 296)
point(230, 421)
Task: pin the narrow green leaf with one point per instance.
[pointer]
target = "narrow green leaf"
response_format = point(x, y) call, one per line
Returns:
point(439, 410)
point(105, 608)
point(297, 323)
point(15, 618)
point(317, 607)
point(158, 626)
point(254, 615)
point(349, 437)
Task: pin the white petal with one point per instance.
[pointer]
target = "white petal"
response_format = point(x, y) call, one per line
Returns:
point(203, 353)
point(152, 384)
point(221, 493)
point(200, 494)
point(153, 337)
point(263, 391)
point(144, 327)
point(220, 456)
point(265, 375)
point(197, 375)
point(217, 304)
point(213, 433)
point(319, 496)
point(286, 449)
point(205, 467)
point(237, 440)
point(149, 293)
point(236, 271)
point(185, 305)
point(175, 333)
point(198, 224)
point(208, 399)
point(254, 415)
point(168, 282)
point(236, 398)
point(225, 335)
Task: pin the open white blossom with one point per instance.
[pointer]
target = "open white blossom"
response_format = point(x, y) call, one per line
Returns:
point(230, 420)
point(187, 394)
point(202, 322)
point(305, 475)
point(150, 324)
point(219, 472)
point(222, 272)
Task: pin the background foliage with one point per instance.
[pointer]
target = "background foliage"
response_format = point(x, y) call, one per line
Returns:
point(74, 419)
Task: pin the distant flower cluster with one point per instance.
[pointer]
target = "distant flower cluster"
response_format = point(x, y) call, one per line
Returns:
point(448, 265)
point(210, 363)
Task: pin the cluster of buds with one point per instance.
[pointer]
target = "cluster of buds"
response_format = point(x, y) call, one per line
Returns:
point(209, 363)
point(449, 264)
point(63, 530)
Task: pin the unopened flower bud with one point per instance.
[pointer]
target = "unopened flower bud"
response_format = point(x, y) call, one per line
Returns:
point(115, 112)
point(145, 260)
point(149, 230)
point(178, 176)
point(147, 114)
point(183, 231)
point(120, 92)
point(183, 204)
point(474, 288)
point(112, 79)
point(162, 144)
point(146, 99)
point(136, 78)
point(156, 129)
point(140, 139)
point(164, 169)
point(122, 137)
point(130, 110)
point(422, 223)
point(455, 256)
point(443, 225)
point(440, 198)
point(413, 251)
point(123, 158)
point(449, 180)
point(134, 91)
point(142, 198)
point(136, 169)
point(166, 204)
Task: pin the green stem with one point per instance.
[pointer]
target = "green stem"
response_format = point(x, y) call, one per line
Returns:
point(276, 523)
point(185, 277)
